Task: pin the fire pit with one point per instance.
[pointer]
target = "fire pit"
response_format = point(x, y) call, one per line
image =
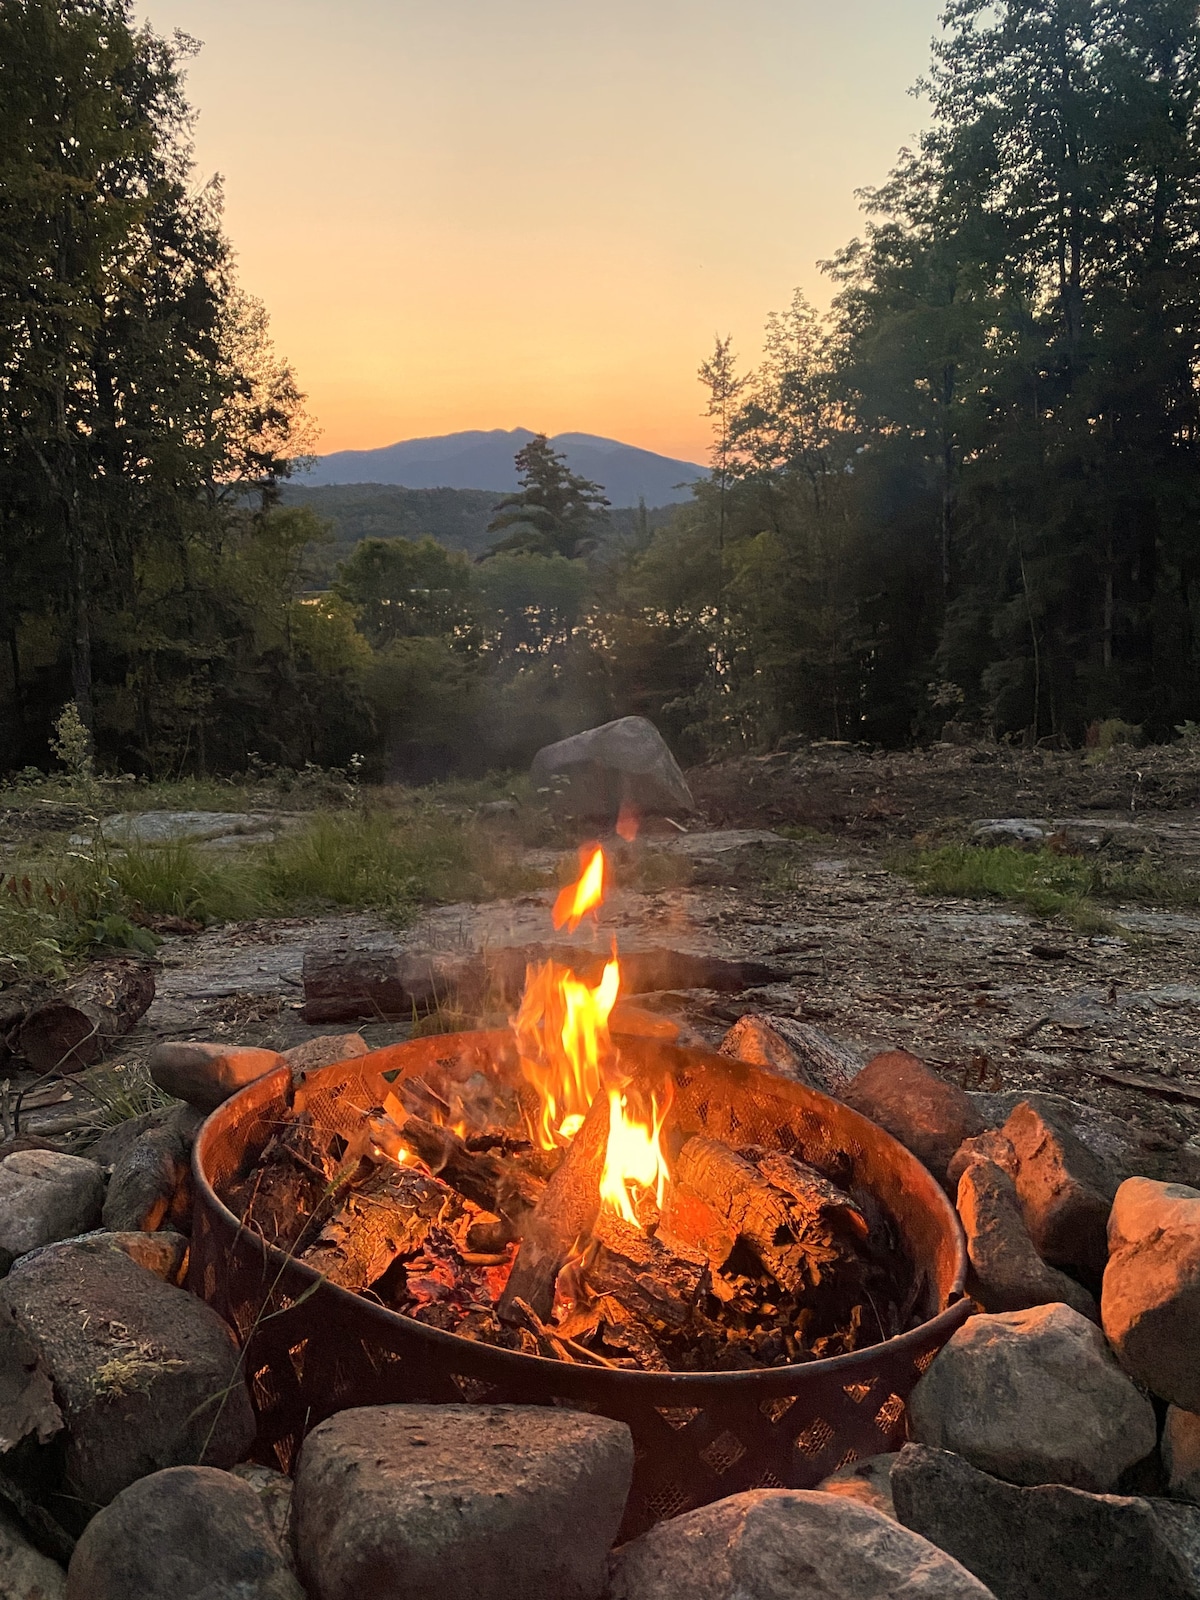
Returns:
point(313, 1348)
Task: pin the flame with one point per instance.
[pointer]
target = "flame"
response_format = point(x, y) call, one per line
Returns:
point(627, 822)
point(577, 899)
point(564, 1044)
point(635, 1159)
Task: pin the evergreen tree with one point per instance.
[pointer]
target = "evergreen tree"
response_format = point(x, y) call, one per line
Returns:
point(555, 513)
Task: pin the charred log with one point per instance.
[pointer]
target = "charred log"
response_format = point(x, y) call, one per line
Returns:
point(74, 1029)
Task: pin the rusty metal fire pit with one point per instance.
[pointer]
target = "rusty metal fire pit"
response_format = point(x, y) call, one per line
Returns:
point(313, 1348)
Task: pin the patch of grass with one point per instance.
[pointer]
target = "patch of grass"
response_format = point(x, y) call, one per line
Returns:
point(1044, 882)
point(179, 879)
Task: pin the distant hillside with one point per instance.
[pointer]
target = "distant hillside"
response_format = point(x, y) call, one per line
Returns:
point(457, 518)
point(479, 460)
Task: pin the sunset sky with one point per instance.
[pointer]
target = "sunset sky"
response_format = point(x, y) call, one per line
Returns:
point(537, 213)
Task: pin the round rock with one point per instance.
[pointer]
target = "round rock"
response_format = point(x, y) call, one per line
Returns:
point(1034, 1397)
point(45, 1196)
point(787, 1544)
point(205, 1075)
point(183, 1532)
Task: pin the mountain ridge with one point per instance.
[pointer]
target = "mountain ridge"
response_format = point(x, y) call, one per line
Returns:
point(483, 459)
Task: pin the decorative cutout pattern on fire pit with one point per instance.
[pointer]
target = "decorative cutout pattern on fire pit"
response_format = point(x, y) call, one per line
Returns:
point(313, 1348)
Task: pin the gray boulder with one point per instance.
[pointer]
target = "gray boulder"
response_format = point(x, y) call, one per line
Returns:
point(151, 1183)
point(164, 1254)
point(1020, 833)
point(1180, 1446)
point(786, 1544)
point(1007, 1274)
point(26, 1574)
point(143, 1374)
point(45, 1196)
point(187, 1533)
point(1050, 1542)
point(626, 762)
point(1151, 1298)
point(460, 1502)
point(205, 1075)
point(1036, 1397)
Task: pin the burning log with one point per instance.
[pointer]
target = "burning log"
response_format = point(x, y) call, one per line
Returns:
point(565, 1215)
point(493, 1185)
point(656, 1285)
point(784, 1211)
point(389, 1216)
point(73, 1030)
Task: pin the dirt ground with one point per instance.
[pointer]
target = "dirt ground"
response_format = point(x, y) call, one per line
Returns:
point(992, 997)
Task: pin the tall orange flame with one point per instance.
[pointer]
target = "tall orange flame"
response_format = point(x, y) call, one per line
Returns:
point(635, 1159)
point(577, 899)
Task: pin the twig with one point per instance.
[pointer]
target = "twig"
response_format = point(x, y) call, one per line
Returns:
point(1182, 1093)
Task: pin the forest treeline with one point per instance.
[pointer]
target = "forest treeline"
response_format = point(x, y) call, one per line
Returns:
point(968, 493)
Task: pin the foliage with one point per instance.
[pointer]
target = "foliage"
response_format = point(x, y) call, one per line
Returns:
point(555, 513)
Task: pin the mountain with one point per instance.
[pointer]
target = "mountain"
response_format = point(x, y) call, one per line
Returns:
point(484, 460)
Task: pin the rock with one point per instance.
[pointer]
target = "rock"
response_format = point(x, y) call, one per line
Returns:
point(324, 1051)
point(26, 1574)
point(1151, 1298)
point(145, 1375)
point(112, 1144)
point(164, 1254)
point(1035, 1397)
point(163, 827)
point(1017, 832)
point(755, 1040)
point(1050, 1542)
point(1007, 1272)
point(1180, 1446)
point(622, 763)
point(151, 1183)
point(205, 1075)
point(1065, 1192)
point(991, 1145)
point(457, 1502)
point(274, 1491)
point(498, 808)
point(869, 1482)
point(45, 1196)
point(187, 1533)
point(928, 1115)
point(786, 1544)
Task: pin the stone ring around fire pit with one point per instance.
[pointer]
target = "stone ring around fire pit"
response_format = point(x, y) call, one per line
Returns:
point(313, 1348)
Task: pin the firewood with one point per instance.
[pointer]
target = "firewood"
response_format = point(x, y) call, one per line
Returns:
point(341, 985)
point(388, 1217)
point(564, 1216)
point(718, 1193)
point(811, 1193)
point(654, 1284)
point(73, 1030)
point(793, 1050)
point(492, 1184)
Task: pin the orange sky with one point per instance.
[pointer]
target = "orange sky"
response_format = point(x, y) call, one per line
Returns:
point(537, 213)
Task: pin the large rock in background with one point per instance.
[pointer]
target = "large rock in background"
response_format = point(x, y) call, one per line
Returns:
point(1036, 1397)
point(45, 1196)
point(456, 1502)
point(1050, 1542)
point(626, 762)
point(144, 1375)
point(1151, 1297)
point(786, 1544)
point(187, 1533)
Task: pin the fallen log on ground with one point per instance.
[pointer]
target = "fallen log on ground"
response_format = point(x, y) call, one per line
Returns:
point(342, 985)
point(74, 1029)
